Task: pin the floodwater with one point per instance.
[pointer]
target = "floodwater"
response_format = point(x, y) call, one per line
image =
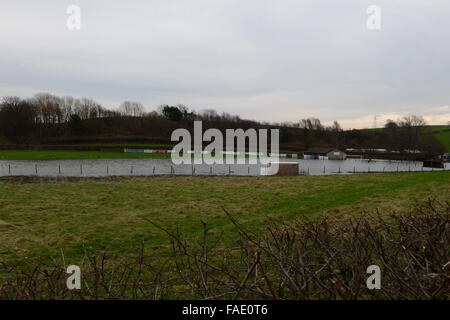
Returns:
point(149, 167)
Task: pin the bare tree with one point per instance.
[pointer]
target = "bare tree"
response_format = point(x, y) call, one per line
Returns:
point(311, 124)
point(48, 107)
point(131, 109)
point(413, 126)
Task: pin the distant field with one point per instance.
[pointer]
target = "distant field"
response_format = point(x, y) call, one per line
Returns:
point(72, 154)
point(442, 133)
point(438, 128)
point(76, 154)
point(39, 217)
point(444, 138)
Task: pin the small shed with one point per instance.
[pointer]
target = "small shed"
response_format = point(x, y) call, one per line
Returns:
point(336, 155)
point(283, 169)
point(325, 153)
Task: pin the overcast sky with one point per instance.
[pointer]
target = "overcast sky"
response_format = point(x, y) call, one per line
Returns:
point(271, 60)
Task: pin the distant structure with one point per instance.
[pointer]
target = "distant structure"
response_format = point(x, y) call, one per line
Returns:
point(283, 169)
point(336, 155)
point(325, 154)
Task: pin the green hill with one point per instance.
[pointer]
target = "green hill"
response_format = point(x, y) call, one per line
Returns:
point(441, 133)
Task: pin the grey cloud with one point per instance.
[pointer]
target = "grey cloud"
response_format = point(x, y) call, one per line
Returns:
point(266, 59)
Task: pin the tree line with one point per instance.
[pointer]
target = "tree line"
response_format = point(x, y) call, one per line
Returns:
point(45, 116)
point(50, 118)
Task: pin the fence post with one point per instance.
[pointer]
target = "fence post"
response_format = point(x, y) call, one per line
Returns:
point(35, 169)
point(153, 170)
point(132, 169)
point(81, 169)
point(59, 169)
point(308, 171)
point(354, 169)
point(248, 170)
point(211, 171)
point(9, 168)
point(323, 169)
point(229, 170)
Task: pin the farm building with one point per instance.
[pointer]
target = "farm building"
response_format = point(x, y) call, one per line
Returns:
point(325, 153)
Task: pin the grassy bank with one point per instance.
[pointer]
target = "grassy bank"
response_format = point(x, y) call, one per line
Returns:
point(444, 138)
point(442, 134)
point(72, 154)
point(39, 217)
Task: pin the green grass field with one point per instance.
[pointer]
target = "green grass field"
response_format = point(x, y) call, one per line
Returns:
point(442, 134)
point(39, 217)
point(79, 154)
point(72, 154)
point(76, 155)
point(437, 128)
point(444, 139)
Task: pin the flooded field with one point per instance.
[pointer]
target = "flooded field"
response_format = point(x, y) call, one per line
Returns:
point(149, 167)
